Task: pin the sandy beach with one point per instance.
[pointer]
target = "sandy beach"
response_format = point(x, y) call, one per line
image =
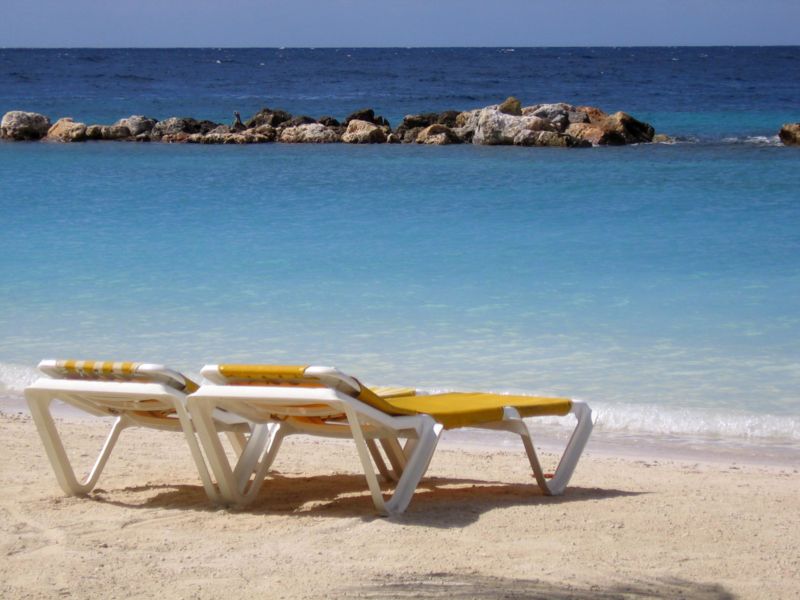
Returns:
point(478, 527)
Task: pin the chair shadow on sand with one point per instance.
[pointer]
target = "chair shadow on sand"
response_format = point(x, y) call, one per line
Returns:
point(439, 502)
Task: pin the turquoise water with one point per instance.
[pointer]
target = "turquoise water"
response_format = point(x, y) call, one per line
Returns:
point(661, 283)
point(631, 277)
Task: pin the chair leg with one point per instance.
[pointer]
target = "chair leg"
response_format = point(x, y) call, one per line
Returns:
point(190, 433)
point(237, 441)
point(366, 463)
point(65, 474)
point(415, 468)
point(215, 453)
point(378, 460)
point(257, 456)
point(245, 493)
point(251, 452)
point(397, 458)
point(569, 459)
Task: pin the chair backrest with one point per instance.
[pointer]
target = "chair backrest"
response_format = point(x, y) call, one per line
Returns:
point(299, 376)
point(95, 370)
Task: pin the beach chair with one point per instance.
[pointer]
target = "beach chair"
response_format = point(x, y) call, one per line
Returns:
point(322, 401)
point(135, 395)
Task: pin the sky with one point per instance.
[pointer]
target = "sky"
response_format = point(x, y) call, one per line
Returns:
point(354, 23)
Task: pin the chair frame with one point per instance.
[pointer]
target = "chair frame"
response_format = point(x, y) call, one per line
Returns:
point(279, 411)
point(118, 399)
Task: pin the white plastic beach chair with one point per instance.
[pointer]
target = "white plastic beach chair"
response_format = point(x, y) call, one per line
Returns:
point(322, 401)
point(135, 395)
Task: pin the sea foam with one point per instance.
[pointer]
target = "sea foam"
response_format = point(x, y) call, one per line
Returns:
point(618, 418)
point(15, 378)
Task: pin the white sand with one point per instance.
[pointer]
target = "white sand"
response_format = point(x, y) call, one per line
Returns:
point(477, 528)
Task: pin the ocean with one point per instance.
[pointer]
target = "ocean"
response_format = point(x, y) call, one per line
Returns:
point(660, 283)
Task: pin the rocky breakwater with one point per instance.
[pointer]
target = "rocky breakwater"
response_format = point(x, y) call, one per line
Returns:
point(790, 134)
point(508, 123)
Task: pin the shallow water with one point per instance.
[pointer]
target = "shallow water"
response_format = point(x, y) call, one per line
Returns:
point(660, 283)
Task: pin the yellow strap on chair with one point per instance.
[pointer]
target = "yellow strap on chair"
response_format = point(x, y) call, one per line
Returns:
point(96, 368)
point(121, 371)
point(261, 374)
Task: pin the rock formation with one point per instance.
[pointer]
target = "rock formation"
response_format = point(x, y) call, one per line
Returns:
point(508, 123)
point(790, 134)
point(267, 116)
point(437, 134)
point(363, 132)
point(137, 124)
point(67, 130)
point(20, 125)
point(309, 133)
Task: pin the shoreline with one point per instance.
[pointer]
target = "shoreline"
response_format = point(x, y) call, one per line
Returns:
point(629, 446)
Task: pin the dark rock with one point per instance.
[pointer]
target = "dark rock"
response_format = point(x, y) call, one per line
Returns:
point(511, 106)
point(297, 121)
point(268, 116)
point(576, 116)
point(206, 126)
point(411, 125)
point(367, 115)
point(448, 118)
point(94, 132)
point(423, 120)
point(21, 125)
point(410, 135)
point(181, 125)
point(550, 139)
point(328, 121)
point(790, 134)
point(107, 132)
point(115, 132)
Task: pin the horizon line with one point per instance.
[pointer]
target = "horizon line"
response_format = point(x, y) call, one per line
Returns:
point(326, 47)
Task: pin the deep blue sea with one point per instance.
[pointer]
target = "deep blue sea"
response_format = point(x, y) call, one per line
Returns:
point(661, 283)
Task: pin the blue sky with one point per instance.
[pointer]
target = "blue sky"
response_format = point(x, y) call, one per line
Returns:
point(269, 23)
